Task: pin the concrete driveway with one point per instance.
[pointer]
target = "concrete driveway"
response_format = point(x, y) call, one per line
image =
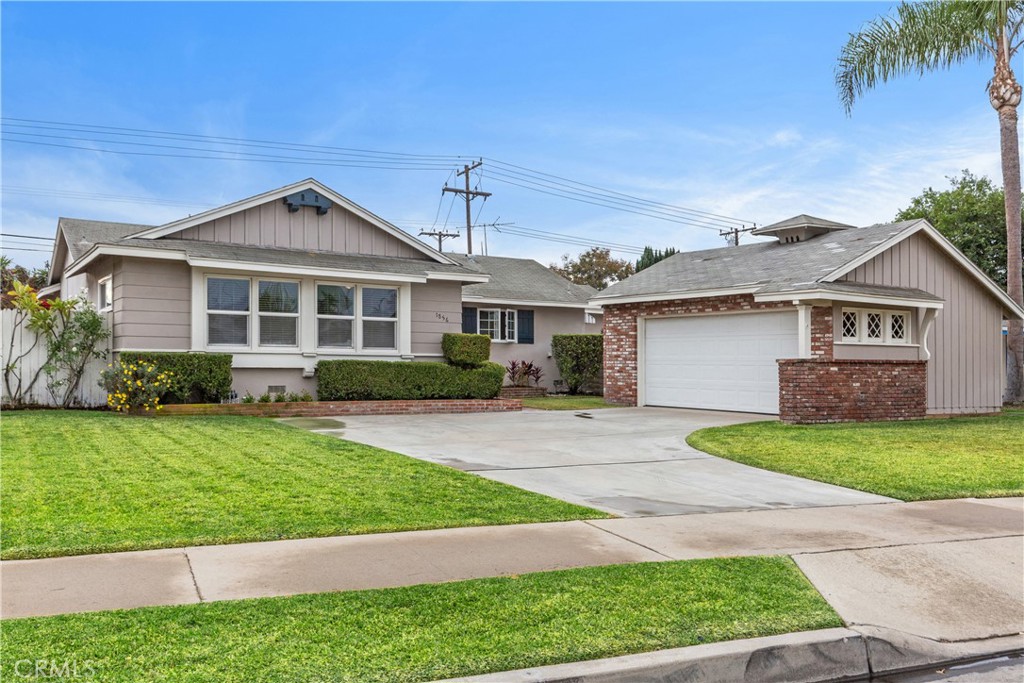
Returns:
point(632, 462)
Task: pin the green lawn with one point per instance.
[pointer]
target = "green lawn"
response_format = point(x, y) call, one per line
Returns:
point(566, 403)
point(75, 482)
point(919, 460)
point(434, 631)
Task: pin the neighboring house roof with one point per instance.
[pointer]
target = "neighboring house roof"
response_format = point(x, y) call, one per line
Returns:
point(774, 268)
point(82, 234)
point(515, 280)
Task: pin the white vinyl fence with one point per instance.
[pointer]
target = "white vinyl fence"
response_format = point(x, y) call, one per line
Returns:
point(89, 393)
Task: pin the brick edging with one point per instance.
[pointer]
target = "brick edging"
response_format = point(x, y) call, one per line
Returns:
point(331, 408)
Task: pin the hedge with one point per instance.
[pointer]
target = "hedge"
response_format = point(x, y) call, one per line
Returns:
point(368, 380)
point(197, 378)
point(579, 358)
point(466, 350)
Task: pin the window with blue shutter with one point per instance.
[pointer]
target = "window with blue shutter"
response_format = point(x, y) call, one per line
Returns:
point(469, 321)
point(525, 320)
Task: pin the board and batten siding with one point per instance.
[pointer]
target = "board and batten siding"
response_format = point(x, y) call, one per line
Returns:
point(272, 225)
point(152, 303)
point(965, 372)
point(436, 309)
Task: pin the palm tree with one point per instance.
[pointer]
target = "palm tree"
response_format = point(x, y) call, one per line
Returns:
point(933, 35)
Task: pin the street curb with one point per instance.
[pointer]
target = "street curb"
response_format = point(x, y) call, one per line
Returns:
point(834, 655)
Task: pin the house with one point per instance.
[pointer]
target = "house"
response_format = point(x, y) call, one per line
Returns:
point(825, 322)
point(522, 306)
point(280, 280)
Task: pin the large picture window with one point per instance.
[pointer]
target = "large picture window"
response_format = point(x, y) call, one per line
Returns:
point(227, 311)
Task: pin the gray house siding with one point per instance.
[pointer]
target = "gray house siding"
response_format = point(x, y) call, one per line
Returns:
point(152, 303)
point(547, 321)
point(272, 225)
point(436, 309)
point(965, 372)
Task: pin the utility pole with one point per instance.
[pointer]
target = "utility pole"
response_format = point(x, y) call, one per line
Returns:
point(732, 235)
point(441, 236)
point(468, 195)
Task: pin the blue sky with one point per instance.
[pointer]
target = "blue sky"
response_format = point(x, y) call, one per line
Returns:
point(728, 108)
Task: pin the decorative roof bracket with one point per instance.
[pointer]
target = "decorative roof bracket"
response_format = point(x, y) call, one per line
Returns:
point(308, 198)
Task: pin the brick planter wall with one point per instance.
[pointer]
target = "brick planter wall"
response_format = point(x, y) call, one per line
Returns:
point(815, 390)
point(523, 392)
point(331, 408)
point(620, 352)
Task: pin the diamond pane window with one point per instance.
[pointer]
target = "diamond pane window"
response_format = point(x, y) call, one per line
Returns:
point(849, 324)
point(874, 326)
point(898, 327)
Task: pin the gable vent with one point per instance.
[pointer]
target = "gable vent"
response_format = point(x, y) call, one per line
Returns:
point(308, 198)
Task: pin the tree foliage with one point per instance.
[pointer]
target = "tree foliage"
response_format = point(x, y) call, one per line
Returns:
point(10, 273)
point(594, 267)
point(652, 256)
point(579, 358)
point(970, 213)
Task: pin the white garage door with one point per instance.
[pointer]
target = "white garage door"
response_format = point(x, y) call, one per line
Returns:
point(720, 362)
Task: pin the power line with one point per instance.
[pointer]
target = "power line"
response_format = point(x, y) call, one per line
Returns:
point(26, 237)
point(92, 196)
point(6, 248)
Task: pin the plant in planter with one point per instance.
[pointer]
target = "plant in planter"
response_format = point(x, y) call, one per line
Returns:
point(520, 372)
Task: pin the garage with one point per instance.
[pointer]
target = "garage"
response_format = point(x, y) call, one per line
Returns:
point(717, 362)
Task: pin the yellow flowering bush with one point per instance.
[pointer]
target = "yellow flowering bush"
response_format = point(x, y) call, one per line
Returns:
point(135, 386)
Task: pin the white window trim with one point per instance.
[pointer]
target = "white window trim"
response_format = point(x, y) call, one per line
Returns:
point(254, 295)
point(503, 331)
point(356, 336)
point(307, 349)
point(862, 326)
point(207, 312)
point(102, 284)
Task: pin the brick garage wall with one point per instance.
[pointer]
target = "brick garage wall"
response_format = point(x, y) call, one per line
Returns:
point(815, 390)
point(620, 352)
point(332, 408)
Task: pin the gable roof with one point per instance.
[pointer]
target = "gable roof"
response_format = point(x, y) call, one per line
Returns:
point(525, 280)
point(772, 267)
point(281, 192)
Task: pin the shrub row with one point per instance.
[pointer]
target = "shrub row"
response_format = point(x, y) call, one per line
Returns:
point(361, 380)
point(195, 377)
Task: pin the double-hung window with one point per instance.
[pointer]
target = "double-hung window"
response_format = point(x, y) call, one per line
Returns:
point(278, 312)
point(106, 294)
point(864, 326)
point(227, 311)
point(379, 317)
point(498, 324)
point(335, 316)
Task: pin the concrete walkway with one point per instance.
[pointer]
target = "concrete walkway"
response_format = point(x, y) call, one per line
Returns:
point(942, 570)
point(632, 462)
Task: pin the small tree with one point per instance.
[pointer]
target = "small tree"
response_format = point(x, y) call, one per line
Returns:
point(594, 267)
point(579, 358)
point(652, 256)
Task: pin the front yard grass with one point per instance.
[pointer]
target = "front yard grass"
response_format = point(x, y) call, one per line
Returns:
point(428, 632)
point(566, 403)
point(919, 460)
point(89, 482)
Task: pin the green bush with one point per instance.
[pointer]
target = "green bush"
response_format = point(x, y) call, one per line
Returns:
point(368, 380)
point(579, 358)
point(196, 377)
point(466, 350)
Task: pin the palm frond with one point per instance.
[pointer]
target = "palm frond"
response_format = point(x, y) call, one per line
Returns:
point(921, 37)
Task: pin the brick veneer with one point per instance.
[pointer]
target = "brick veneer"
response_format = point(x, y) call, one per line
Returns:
point(523, 392)
point(329, 408)
point(620, 352)
point(813, 390)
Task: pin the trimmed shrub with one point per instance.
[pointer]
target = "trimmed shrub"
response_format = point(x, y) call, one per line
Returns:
point(196, 377)
point(579, 358)
point(370, 380)
point(466, 350)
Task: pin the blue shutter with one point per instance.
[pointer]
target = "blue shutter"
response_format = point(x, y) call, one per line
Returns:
point(524, 326)
point(469, 321)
